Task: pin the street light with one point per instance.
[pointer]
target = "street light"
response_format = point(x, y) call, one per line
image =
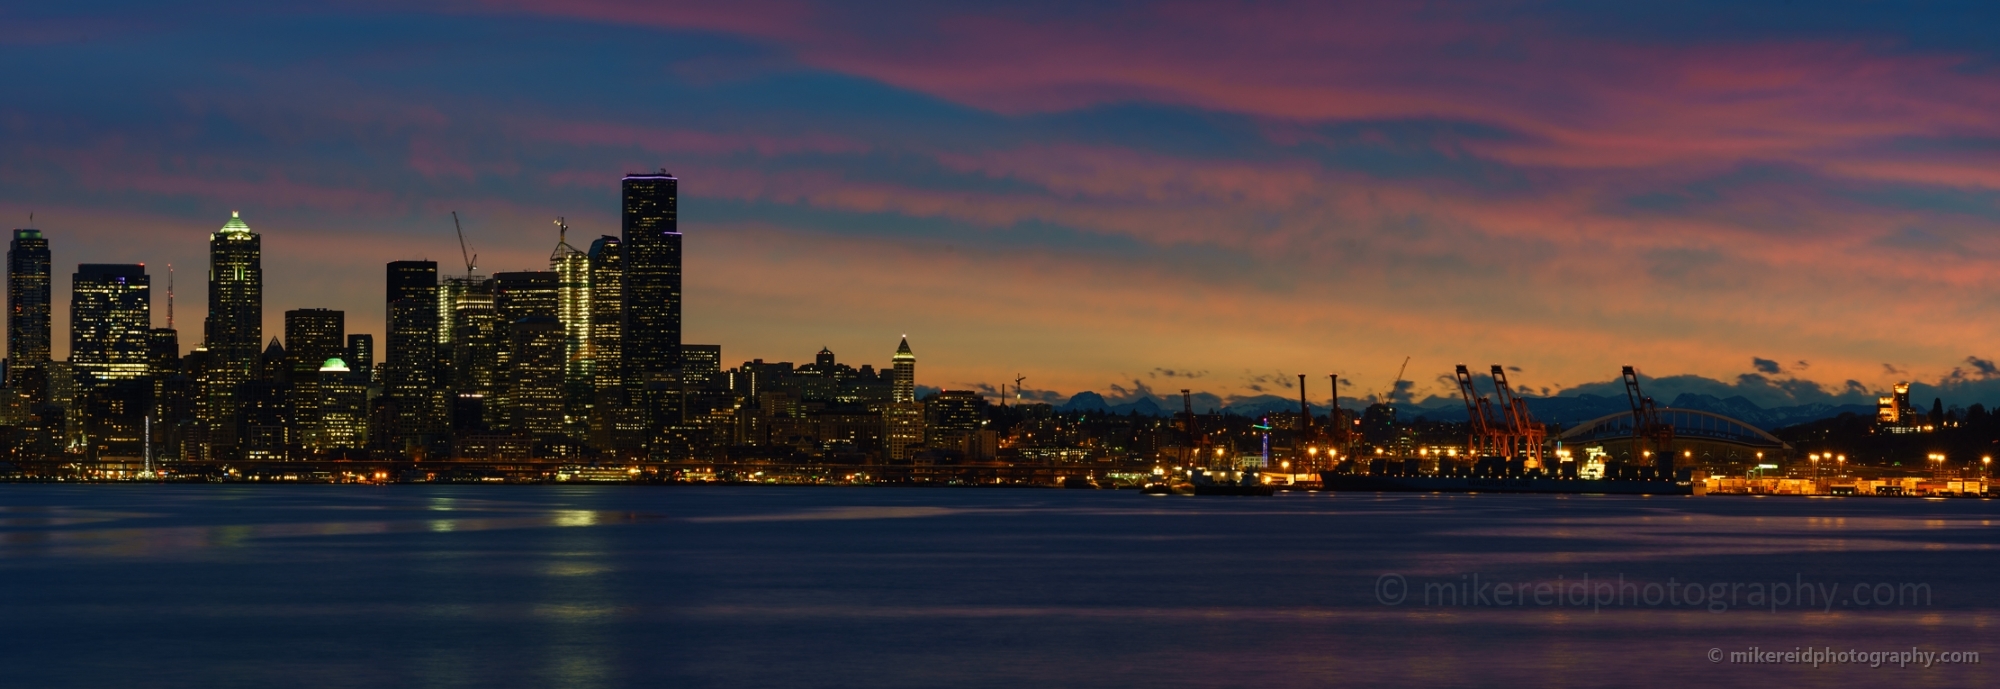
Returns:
point(1985, 466)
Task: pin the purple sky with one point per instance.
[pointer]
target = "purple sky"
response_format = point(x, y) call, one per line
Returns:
point(1797, 201)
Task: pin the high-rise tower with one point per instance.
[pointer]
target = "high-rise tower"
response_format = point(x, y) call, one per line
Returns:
point(904, 417)
point(652, 294)
point(234, 331)
point(573, 312)
point(235, 328)
point(27, 300)
point(906, 374)
point(410, 374)
point(607, 309)
point(110, 321)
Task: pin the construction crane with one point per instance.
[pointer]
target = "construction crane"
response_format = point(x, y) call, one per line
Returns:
point(1524, 436)
point(1647, 429)
point(1483, 440)
point(463, 251)
point(1017, 391)
point(1390, 396)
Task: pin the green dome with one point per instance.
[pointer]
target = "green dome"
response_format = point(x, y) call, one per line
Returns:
point(333, 365)
point(235, 225)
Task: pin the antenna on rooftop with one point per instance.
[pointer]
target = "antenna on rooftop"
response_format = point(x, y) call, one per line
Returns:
point(170, 296)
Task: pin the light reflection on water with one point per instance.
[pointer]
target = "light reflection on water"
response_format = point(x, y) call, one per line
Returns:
point(442, 586)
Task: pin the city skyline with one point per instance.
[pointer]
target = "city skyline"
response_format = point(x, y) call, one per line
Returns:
point(1629, 186)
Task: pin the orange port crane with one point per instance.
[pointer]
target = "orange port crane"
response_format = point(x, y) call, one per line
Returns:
point(1524, 437)
point(1484, 440)
point(1647, 429)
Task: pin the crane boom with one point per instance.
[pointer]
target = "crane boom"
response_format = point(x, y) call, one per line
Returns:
point(463, 251)
point(1390, 396)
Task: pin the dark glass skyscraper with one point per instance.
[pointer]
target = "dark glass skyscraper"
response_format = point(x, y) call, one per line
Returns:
point(110, 321)
point(652, 292)
point(28, 300)
point(410, 374)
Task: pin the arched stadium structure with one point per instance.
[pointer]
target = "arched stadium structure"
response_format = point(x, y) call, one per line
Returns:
point(1705, 437)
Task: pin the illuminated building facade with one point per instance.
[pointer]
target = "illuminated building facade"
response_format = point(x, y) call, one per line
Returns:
point(903, 418)
point(573, 302)
point(534, 398)
point(343, 414)
point(234, 330)
point(110, 320)
point(28, 296)
point(607, 309)
point(952, 416)
point(312, 336)
point(1894, 414)
point(652, 271)
point(410, 375)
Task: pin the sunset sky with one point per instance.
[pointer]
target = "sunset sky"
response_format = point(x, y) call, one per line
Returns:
point(1797, 200)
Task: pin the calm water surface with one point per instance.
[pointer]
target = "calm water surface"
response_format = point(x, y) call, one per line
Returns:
point(442, 586)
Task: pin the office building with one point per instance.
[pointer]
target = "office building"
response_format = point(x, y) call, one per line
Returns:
point(903, 417)
point(360, 355)
point(342, 407)
point(534, 399)
point(110, 321)
point(652, 264)
point(28, 296)
point(312, 336)
point(410, 374)
point(234, 330)
point(607, 309)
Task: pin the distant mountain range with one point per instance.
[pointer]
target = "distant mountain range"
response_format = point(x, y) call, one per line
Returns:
point(1567, 411)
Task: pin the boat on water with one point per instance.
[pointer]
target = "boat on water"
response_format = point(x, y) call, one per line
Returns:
point(1210, 482)
point(1532, 483)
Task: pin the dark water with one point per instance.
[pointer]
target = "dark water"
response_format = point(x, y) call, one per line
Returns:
point(408, 586)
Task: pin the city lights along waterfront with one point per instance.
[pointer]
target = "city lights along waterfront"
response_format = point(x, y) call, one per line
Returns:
point(579, 374)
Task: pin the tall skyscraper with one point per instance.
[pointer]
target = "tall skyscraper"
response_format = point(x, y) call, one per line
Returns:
point(234, 331)
point(573, 301)
point(906, 373)
point(904, 416)
point(312, 336)
point(110, 321)
point(607, 310)
point(27, 301)
point(521, 299)
point(235, 326)
point(410, 375)
point(652, 293)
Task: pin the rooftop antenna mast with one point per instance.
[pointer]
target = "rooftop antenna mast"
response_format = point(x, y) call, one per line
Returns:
point(170, 296)
point(463, 252)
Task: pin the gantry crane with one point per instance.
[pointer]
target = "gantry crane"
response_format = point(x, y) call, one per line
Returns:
point(1524, 436)
point(1647, 429)
point(1483, 440)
